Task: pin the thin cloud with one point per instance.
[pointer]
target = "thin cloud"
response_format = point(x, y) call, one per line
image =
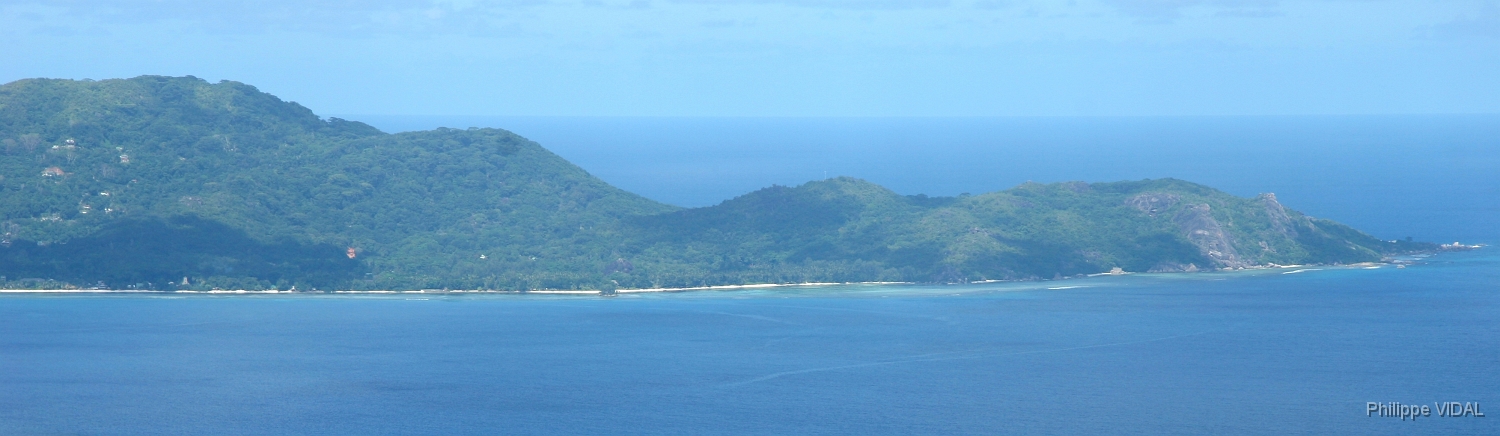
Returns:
point(834, 4)
point(1152, 9)
point(992, 4)
point(1166, 11)
point(1484, 24)
point(320, 16)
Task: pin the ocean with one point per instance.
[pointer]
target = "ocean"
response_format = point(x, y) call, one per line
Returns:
point(1290, 351)
point(1434, 178)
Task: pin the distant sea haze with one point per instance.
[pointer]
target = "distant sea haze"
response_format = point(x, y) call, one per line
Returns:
point(1434, 178)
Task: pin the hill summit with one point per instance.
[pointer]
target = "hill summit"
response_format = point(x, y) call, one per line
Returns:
point(177, 183)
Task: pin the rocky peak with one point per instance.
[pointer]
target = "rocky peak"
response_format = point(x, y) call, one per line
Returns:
point(1281, 221)
point(1198, 223)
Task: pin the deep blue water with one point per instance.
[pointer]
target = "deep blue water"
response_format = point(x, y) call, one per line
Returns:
point(1207, 353)
point(1237, 353)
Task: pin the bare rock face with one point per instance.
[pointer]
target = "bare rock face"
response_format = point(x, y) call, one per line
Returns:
point(1206, 233)
point(1173, 267)
point(1152, 202)
point(1280, 220)
point(1197, 222)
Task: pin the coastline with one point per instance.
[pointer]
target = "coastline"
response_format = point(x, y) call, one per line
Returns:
point(448, 291)
point(1396, 262)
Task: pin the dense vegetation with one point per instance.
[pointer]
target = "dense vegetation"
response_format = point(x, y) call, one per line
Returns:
point(168, 183)
point(850, 230)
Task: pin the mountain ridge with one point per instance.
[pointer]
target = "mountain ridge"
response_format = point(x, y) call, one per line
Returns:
point(255, 193)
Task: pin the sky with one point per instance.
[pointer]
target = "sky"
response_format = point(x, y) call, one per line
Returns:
point(789, 58)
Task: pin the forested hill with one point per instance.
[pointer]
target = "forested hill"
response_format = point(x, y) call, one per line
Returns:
point(150, 181)
point(168, 178)
point(848, 229)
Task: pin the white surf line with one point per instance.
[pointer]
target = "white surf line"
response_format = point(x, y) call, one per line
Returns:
point(1065, 287)
point(1303, 270)
point(925, 358)
point(754, 286)
point(702, 288)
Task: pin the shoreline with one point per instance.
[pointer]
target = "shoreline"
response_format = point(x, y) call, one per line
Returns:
point(1392, 262)
point(448, 291)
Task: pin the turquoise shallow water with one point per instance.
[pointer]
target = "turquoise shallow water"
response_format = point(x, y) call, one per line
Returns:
point(1247, 353)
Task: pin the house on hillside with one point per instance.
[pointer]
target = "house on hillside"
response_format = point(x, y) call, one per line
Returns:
point(53, 172)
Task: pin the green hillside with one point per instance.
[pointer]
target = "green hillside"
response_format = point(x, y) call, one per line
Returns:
point(254, 174)
point(850, 230)
point(167, 179)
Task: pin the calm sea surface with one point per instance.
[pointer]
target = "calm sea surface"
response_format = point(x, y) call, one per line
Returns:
point(1209, 353)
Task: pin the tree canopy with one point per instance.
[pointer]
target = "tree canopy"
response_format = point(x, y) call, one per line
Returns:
point(174, 182)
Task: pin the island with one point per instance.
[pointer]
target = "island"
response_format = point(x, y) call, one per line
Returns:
point(175, 183)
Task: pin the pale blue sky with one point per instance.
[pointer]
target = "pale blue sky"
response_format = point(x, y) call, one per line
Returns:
point(789, 57)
